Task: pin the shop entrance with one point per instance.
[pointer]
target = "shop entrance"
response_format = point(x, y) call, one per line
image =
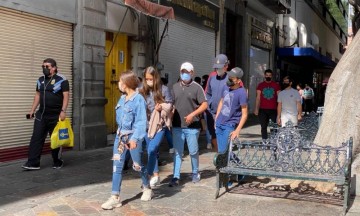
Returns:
point(115, 64)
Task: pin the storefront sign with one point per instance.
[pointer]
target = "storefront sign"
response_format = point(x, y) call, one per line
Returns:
point(261, 34)
point(197, 11)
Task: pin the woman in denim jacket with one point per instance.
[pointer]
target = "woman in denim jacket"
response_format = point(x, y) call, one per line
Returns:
point(131, 120)
point(155, 95)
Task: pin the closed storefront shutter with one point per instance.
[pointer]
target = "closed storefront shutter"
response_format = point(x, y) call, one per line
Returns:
point(186, 42)
point(25, 41)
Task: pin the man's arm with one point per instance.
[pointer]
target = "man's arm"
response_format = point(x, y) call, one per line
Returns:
point(189, 118)
point(257, 102)
point(219, 108)
point(35, 103)
point(279, 107)
point(64, 105)
point(299, 108)
point(244, 115)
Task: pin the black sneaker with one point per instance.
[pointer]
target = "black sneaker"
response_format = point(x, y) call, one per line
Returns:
point(174, 182)
point(58, 164)
point(29, 166)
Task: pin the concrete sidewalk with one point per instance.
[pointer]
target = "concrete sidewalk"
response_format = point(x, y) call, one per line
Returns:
point(84, 183)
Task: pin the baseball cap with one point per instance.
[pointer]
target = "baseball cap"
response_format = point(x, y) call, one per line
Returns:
point(187, 66)
point(220, 61)
point(236, 72)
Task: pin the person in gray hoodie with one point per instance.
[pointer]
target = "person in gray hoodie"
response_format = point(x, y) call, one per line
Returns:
point(214, 89)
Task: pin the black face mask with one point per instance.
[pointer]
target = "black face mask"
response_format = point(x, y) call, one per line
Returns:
point(268, 79)
point(230, 83)
point(46, 72)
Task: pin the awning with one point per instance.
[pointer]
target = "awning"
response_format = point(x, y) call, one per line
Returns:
point(151, 9)
point(306, 55)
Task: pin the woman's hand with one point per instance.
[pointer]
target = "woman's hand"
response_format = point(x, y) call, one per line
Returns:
point(132, 145)
point(158, 107)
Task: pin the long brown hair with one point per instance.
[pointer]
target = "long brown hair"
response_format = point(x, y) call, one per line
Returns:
point(157, 86)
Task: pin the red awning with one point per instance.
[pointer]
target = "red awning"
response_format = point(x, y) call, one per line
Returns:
point(151, 9)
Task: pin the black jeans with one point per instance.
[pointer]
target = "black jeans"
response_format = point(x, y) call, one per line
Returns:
point(264, 116)
point(210, 124)
point(308, 105)
point(42, 127)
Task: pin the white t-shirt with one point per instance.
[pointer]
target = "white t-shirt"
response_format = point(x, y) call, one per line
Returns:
point(288, 99)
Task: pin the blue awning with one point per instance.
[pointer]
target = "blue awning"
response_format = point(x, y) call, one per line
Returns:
point(306, 55)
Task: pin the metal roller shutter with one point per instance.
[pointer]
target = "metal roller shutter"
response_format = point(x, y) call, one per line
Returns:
point(185, 42)
point(25, 41)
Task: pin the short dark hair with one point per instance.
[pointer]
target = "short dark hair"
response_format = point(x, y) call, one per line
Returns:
point(268, 71)
point(288, 78)
point(51, 61)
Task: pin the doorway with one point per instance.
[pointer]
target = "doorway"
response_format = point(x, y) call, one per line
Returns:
point(116, 63)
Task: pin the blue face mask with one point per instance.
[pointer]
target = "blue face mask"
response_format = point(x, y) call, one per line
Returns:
point(185, 77)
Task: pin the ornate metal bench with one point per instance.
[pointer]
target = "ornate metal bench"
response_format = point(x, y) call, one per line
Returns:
point(287, 156)
point(308, 127)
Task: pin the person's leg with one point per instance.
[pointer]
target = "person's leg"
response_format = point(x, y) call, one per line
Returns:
point(222, 134)
point(178, 140)
point(152, 150)
point(37, 142)
point(211, 128)
point(207, 134)
point(118, 163)
point(168, 136)
point(51, 122)
point(264, 120)
point(192, 136)
point(136, 156)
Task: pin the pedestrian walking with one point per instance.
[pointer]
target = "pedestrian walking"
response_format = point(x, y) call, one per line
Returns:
point(308, 95)
point(131, 120)
point(266, 102)
point(232, 111)
point(213, 92)
point(52, 94)
point(190, 103)
point(289, 104)
point(159, 112)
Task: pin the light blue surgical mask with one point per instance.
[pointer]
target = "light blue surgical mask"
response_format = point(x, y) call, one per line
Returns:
point(185, 77)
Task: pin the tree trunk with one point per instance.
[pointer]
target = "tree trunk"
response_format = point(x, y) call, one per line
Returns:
point(341, 118)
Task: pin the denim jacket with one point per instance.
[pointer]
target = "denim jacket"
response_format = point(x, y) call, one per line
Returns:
point(131, 117)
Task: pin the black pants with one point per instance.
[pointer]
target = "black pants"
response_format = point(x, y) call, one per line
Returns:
point(210, 124)
point(264, 116)
point(308, 105)
point(42, 127)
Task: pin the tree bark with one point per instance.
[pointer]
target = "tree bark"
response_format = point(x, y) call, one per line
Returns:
point(341, 118)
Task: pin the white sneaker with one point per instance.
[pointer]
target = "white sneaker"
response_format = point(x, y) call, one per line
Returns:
point(111, 203)
point(155, 180)
point(147, 194)
point(171, 151)
point(209, 146)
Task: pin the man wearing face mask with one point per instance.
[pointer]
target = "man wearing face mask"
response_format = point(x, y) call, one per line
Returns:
point(289, 104)
point(266, 102)
point(214, 89)
point(52, 94)
point(189, 102)
point(232, 111)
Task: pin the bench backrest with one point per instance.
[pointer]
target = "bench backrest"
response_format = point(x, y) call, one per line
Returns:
point(290, 153)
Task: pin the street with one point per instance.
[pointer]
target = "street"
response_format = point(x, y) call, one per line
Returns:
point(84, 183)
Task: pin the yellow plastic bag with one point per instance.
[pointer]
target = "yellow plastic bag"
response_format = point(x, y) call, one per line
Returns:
point(62, 136)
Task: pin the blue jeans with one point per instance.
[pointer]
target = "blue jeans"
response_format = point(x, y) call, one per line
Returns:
point(118, 165)
point(169, 139)
point(191, 135)
point(152, 146)
point(222, 137)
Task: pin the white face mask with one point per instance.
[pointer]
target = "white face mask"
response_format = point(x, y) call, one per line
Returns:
point(220, 71)
point(150, 83)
